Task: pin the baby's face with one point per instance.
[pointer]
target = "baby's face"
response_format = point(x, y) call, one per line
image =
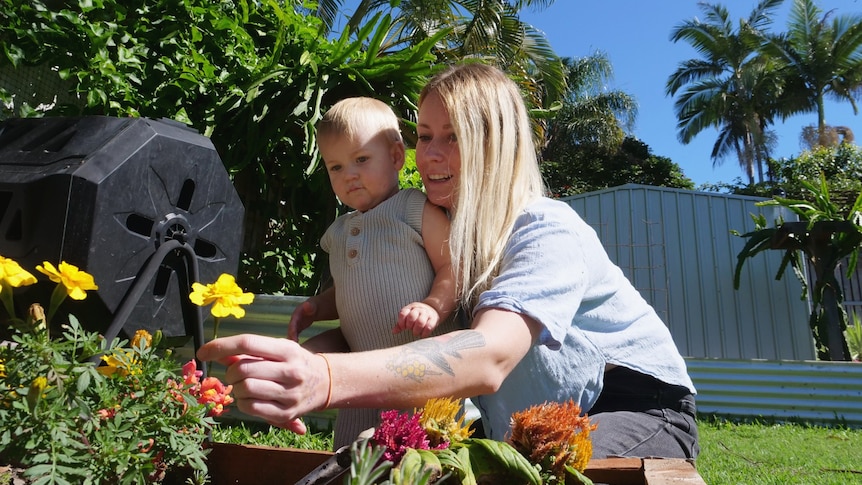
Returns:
point(363, 171)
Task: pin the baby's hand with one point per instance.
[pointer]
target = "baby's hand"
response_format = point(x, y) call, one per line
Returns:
point(418, 317)
point(301, 318)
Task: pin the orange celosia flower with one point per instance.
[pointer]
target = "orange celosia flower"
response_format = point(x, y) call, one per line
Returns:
point(553, 435)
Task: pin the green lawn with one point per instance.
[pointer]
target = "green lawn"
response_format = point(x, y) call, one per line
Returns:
point(780, 454)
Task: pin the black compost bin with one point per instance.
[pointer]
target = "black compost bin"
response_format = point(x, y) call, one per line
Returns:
point(145, 206)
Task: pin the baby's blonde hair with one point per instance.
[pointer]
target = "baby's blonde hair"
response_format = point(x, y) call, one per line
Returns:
point(499, 170)
point(352, 116)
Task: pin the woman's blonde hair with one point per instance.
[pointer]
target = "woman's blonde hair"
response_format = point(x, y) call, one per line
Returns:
point(499, 170)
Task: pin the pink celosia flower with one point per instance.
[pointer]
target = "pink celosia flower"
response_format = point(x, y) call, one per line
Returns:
point(397, 433)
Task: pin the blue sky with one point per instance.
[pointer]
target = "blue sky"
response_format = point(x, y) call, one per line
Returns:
point(635, 35)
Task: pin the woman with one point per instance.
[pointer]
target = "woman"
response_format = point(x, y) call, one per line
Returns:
point(552, 318)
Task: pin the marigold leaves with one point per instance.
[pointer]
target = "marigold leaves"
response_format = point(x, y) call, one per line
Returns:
point(83, 382)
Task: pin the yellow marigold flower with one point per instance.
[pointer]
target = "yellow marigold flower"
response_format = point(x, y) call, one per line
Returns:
point(225, 296)
point(123, 364)
point(12, 274)
point(34, 394)
point(2, 368)
point(440, 421)
point(77, 282)
point(142, 336)
point(553, 435)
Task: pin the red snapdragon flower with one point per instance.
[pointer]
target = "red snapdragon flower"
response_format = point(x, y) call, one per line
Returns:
point(215, 395)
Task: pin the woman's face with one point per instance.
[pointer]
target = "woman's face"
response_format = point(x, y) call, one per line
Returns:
point(438, 158)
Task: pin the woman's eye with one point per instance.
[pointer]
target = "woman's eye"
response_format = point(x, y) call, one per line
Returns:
point(424, 138)
point(453, 139)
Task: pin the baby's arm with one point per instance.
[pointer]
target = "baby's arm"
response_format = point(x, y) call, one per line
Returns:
point(423, 317)
point(318, 307)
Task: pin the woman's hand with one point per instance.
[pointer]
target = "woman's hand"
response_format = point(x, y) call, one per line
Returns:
point(272, 378)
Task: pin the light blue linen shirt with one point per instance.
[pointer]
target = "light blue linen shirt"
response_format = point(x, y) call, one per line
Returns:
point(555, 271)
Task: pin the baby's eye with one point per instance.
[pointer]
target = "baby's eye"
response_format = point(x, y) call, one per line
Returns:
point(361, 159)
point(334, 168)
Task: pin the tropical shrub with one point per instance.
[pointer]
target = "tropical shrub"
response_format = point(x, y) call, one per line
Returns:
point(253, 76)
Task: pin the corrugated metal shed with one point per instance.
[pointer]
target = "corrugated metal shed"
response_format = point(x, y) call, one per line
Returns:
point(816, 392)
point(677, 248)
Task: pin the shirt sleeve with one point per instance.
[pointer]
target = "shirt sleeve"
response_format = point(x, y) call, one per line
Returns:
point(543, 274)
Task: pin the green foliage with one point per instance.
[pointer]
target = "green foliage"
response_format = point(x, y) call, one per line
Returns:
point(409, 176)
point(470, 462)
point(253, 76)
point(853, 334)
point(65, 422)
point(574, 169)
point(258, 433)
point(826, 236)
point(367, 465)
point(840, 164)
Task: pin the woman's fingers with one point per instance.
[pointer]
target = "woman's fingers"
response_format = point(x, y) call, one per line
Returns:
point(226, 350)
point(270, 376)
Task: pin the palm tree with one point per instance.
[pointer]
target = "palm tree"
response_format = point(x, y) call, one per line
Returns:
point(819, 59)
point(489, 30)
point(732, 88)
point(590, 113)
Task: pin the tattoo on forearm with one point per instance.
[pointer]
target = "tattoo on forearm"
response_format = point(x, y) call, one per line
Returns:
point(430, 356)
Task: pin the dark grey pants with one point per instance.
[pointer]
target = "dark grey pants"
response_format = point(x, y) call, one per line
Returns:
point(639, 416)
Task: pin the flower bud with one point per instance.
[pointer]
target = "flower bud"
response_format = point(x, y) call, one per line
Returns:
point(36, 316)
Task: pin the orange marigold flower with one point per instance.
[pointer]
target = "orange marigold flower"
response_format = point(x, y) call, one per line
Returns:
point(142, 336)
point(553, 435)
